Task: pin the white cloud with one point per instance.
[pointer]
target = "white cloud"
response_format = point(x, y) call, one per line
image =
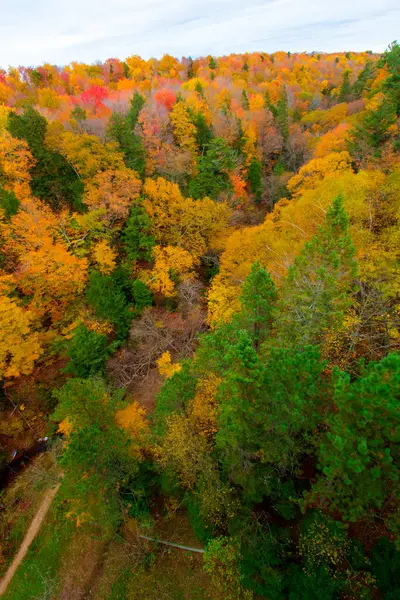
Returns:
point(87, 30)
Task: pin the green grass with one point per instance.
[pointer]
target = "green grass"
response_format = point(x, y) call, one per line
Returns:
point(38, 573)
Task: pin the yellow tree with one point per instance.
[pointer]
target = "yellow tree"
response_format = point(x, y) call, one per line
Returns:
point(166, 367)
point(312, 173)
point(178, 221)
point(34, 225)
point(104, 257)
point(86, 153)
point(113, 191)
point(169, 261)
point(15, 162)
point(19, 344)
point(184, 130)
point(52, 278)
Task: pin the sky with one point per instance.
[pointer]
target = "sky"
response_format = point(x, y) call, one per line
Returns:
point(62, 31)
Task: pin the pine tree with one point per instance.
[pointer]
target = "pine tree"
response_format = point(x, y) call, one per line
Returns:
point(138, 243)
point(318, 285)
point(245, 101)
point(258, 299)
point(346, 88)
point(136, 105)
point(359, 453)
point(120, 130)
point(254, 176)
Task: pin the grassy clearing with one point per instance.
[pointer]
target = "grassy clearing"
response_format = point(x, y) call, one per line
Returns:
point(37, 576)
point(20, 501)
point(69, 563)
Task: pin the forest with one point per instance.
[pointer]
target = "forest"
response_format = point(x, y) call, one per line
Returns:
point(199, 327)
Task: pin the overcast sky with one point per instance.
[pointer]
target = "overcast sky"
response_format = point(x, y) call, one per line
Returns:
point(61, 31)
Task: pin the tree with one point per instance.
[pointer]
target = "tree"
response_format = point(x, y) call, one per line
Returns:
point(222, 562)
point(142, 296)
point(136, 237)
point(121, 131)
point(391, 85)
point(85, 152)
point(20, 344)
point(358, 454)
point(312, 173)
point(346, 88)
point(98, 460)
point(104, 257)
point(106, 295)
point(254, 176)
point(268, 410)
point(8, 202)
point(364, 79)
point(184, 129)
point(213, 170)
point(372, 132)
point(53, 180)
point(16, 162)
point(258, 298)
point(245, 100)
point(183, 222)
point(87, 352)
point(114, 192)
point(203, 131)
point(317, 289)
point(170, 263)
point(51, 278)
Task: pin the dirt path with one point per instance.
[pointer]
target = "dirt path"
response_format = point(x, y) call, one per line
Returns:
point(29, 537)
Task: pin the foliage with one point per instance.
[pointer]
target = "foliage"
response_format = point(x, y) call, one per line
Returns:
point(212, 177)
point(221, 561)
point(20, 345)
point(316, 291)
point(52, 178)
point(8, 202)
point(359, 452)
point(136, 237)
point(87, 352)
point(106, 295)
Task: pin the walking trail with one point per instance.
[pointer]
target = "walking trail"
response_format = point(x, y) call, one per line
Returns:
point(29, 537)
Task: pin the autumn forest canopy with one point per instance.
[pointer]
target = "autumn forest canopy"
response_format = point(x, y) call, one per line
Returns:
point(199, 311)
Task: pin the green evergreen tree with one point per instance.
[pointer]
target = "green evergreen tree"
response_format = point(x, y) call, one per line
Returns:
point(8, 202)
point(372, 132)
point(213, 168)
point(254, 176)
point(346, 88)
point(318, 285)
point(53, 179)
point(98, 464)
point(87, 352)
point(136, 104)
point(142, 296)
point(391, 86)
point(190, 72)
point(245, 101)
point(359, 453)
point(203, 131)
point(258, 299)
point(268, 410)
point(106, 294)
point(119, 130)
point(136, 238)
point(364, 79)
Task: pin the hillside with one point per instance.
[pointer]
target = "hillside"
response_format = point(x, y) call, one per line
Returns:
point(199, 326)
